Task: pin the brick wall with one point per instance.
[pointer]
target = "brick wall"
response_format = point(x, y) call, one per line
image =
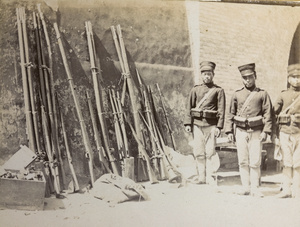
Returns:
point(236, 34)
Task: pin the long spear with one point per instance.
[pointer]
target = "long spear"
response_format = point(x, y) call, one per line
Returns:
point(88, 149)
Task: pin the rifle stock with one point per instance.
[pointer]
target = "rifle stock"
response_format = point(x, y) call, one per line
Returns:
point(96, 135)
point(52, 164)
point(150, 171)
point(74, 177)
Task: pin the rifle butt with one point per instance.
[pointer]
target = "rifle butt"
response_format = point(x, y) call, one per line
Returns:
point(129, 168)
point(142, 174)
point(163, 170)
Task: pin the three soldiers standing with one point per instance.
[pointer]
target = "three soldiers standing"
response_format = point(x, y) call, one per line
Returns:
point(248, 124)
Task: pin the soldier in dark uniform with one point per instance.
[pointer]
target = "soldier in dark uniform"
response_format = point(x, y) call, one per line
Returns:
point(248, 122)
point(287, 109)
point(205, 118)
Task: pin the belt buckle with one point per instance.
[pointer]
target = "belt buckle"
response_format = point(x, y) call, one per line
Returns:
point(248, 129)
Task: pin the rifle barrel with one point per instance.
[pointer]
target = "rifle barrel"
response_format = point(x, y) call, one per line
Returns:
point(166, 117)
point(29, 123)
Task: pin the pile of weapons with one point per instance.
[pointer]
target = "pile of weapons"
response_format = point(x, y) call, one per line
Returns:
point(26, 175)
point(153, 159)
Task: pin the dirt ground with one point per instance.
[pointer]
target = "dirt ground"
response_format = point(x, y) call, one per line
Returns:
point(170, 205)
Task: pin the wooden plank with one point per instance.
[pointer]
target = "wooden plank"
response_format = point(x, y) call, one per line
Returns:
point(22, 194)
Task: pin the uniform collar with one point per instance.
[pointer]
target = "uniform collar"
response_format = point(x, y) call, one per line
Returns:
point(294, 88)
point(251, 88)
point(209, 85)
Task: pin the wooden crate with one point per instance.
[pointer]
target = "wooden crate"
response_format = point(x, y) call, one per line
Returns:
point(22, 194)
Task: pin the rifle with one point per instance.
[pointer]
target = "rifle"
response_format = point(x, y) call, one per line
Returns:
point(52, 164)
point(167, 153)
point(101, 153)
point(128, 162)
point(134, 103)
point(149, 117)
point(98, 97)
point(29, 123)
point(75, 181)
point(156, 118)
point(54, 124)
point(38, 47)
point(165, 162)
point(150, 171)
point(89, 153)
point(117, 45)
point(121, 120)
point(28, 66)
point(119, 138)
point(117, 126)
point(166, 117)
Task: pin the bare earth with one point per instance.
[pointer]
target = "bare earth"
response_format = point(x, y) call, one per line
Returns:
point(192, 205)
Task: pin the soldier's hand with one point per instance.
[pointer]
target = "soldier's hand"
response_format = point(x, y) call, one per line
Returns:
point(263, 137)
point(217, 132)
point(230, 137)
point(188, 128)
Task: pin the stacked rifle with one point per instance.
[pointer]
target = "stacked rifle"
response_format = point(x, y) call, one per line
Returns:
point(149, 161)
point(42, 119)
point(150, 142)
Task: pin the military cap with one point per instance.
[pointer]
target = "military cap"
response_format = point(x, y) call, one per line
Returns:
point(293, 69)
point(247, 70)
point(207, 65)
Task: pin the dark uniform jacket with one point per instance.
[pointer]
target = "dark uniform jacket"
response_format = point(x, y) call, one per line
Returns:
point(215, 101)
point(260, 105)
point(285, 99)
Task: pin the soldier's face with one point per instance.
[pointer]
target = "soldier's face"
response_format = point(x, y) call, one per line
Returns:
point(207, 76)
point(249, 81)
point(294, 80)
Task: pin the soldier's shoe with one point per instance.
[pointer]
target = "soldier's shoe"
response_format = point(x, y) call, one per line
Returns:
point(211, 181)
point(196, 180)
point(257, 194)
point(284, 195)
point(243, 192)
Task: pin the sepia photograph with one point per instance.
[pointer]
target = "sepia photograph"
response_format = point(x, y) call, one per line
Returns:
point(149, 113)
